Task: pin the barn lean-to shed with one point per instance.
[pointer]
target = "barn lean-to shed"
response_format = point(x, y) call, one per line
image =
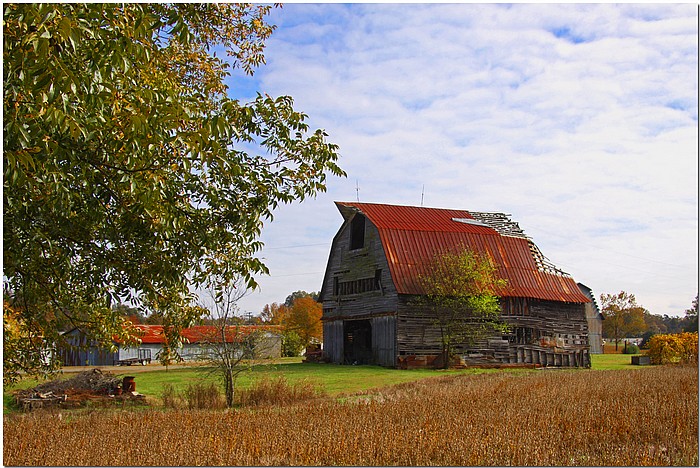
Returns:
point(372, 273)
point(595, 321)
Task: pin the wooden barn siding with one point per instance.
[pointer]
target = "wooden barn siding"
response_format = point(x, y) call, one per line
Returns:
point(87, 357)
point(384, 340)
point(417, 335)
point(80, 351)
point(333, 341)
point(349, 265)
point(377, 306)
point(595, 329)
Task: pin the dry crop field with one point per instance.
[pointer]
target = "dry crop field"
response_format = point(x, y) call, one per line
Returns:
point(583, 417)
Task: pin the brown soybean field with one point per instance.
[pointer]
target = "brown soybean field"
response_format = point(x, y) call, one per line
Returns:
point(553, 417)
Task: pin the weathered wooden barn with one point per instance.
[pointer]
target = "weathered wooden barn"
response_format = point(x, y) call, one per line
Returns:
point(372, 274)
point(595, 321)
point(84, 351)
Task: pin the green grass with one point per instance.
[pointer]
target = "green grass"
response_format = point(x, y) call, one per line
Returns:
point(334, 380)
point(613, 362)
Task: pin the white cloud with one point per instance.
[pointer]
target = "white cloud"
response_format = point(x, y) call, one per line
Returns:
point(580, 120)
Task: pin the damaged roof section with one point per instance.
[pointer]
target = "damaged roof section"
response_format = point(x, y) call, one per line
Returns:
point(412, 236)
point(505, 226)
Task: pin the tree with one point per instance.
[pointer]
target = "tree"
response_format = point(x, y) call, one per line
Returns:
point(274, 314)
point(24, 349)
point(228, 349)
point(623, 317)
point(634, 322)
point(133, 314)
point(130, 176)
point(289, 301)
point(460, 294)
point(304, 319)
point(654, 323)
point(691, 316)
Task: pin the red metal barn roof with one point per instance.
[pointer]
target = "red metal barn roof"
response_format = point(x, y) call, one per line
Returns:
point(154, 334)
point(412, 236)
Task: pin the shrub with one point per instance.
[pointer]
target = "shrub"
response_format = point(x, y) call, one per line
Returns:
point(631, 349)
point(670, 349)
point(292, 344)
point(169, 396)
point(203, 396)
point(277, 391)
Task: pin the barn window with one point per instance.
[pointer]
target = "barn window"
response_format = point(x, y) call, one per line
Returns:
point(357, 232)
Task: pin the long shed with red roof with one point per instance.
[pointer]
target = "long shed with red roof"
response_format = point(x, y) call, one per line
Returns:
point(375, 262)
point(84, 351)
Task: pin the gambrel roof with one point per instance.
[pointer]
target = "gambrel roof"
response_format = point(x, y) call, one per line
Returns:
point(412, 236)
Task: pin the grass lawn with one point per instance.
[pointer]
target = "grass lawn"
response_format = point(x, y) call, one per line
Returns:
point(613, 362)
point(334, 380)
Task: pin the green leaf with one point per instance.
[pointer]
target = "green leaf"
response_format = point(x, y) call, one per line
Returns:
point(128, 172)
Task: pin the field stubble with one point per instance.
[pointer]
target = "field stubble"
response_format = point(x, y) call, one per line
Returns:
point(542, 418)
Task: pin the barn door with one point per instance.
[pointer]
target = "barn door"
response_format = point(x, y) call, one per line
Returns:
point(357, 342)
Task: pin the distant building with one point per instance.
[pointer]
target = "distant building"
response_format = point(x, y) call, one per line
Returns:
point(84, 351)
point(595, 321)
point(372, 273)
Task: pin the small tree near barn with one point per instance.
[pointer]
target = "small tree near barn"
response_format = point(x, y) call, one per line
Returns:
point(459, 290)
point(228, 349)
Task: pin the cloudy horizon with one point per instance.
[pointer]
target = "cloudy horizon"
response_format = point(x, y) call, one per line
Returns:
point(581, 121)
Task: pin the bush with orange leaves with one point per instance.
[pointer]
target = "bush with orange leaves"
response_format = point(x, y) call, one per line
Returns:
point(674, 349)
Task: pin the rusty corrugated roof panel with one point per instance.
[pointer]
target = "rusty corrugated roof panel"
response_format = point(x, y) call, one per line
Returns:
point(154, 334)
point(412, 236)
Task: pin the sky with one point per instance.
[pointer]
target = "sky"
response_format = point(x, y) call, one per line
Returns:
point(580, 121)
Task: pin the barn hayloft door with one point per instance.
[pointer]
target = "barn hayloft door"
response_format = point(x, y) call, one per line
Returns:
point(357, 337)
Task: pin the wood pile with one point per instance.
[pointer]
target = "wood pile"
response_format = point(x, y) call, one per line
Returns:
point(89, 386)
point(40, 400)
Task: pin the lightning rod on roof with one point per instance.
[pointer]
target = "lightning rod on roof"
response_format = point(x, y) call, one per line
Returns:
point(357, 189)
point(422, 193)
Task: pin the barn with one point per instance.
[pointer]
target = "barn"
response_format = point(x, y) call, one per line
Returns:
point(377, 256)
point(84, 351)
point(595, 321)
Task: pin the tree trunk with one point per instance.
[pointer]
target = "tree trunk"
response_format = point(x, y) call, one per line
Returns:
point(446, 359)
point(228, 387)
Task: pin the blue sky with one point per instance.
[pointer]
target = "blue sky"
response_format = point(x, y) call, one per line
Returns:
point(581, 121)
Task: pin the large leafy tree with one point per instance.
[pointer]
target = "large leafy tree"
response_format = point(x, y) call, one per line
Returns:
point(304, 319)
point(274, 314)
point(130, 176)
point(289, 301)
point(460, 295)
point(623, 316)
